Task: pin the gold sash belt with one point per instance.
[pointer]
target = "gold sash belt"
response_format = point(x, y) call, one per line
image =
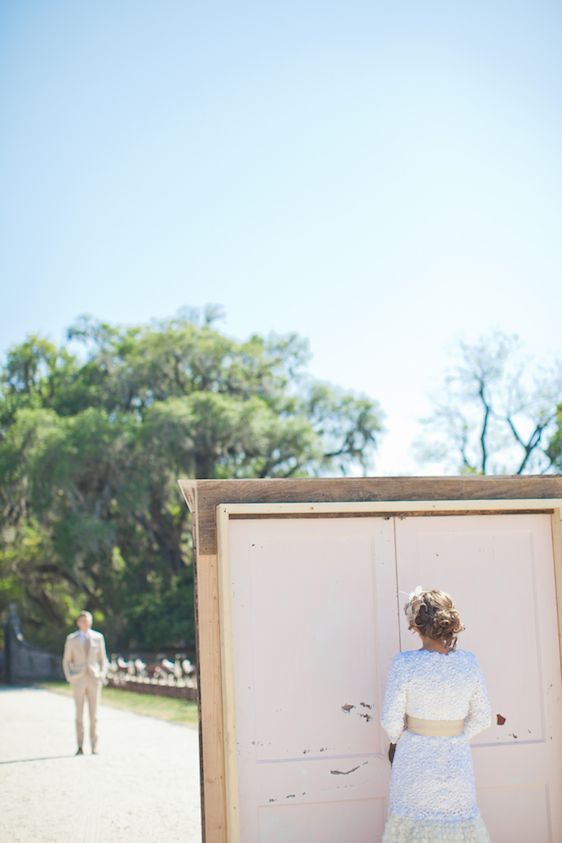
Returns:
point(434, 727)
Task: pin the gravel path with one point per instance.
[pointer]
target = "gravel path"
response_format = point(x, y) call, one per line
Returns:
point(143, 786)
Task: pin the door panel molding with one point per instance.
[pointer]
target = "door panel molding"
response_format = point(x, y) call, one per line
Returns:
point(396, 512)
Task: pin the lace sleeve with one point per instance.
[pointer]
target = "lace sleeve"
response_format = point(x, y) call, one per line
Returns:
point(394, 703)
point(479, 715)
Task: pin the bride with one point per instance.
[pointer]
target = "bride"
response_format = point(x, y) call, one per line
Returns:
point(435, 700)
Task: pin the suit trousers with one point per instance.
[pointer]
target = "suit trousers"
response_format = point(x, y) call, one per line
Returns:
point(87, 688)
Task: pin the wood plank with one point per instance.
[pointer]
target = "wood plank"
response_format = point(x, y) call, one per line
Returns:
point(209, 683)
point(212, 761)
point(189, 491)
point(556, 521)
point(228, 683)
point(403, 509)
point(204, 657)
point(209, 493)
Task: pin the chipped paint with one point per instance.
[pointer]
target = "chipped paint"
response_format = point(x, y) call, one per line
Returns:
point(347, 772)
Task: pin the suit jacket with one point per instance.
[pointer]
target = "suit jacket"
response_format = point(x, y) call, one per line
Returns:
point(74, 661)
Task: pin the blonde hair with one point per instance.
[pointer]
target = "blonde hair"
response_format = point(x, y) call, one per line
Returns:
point(433, 614)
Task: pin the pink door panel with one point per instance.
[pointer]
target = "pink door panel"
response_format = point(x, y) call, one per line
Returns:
point(314, 628)
point(500, 571)
point(317, 615)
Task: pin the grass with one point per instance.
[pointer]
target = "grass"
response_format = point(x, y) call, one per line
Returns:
point(182, 712)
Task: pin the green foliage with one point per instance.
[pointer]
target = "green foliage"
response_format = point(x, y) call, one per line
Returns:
point(174, 710)
point(554, 449)
point(93, 436)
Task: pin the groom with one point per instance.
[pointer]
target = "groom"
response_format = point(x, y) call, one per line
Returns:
point(85, 666)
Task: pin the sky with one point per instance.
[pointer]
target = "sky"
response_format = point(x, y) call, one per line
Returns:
point(382, 178)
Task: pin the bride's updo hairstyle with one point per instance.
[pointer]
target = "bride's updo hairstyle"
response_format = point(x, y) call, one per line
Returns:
point(434, 615)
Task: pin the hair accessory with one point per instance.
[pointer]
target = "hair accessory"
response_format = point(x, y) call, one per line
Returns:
point(411, 594)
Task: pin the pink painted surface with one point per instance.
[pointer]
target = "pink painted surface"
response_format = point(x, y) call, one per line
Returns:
point(315, 623)
point(308, 597)
point(500, 571)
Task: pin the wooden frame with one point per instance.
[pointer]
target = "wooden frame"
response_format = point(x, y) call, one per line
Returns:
point(214, 502)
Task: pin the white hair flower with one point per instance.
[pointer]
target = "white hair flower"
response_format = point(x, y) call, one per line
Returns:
point(417, 590)
point(411, 594)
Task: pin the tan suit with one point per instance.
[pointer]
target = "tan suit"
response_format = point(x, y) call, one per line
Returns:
point(85, 668)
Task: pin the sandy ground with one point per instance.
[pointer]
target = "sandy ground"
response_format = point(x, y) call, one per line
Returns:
point(143, 786)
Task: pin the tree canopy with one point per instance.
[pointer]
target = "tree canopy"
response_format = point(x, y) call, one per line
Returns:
point(94, 434)
point(497, 411)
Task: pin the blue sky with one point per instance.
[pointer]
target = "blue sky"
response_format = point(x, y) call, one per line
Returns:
point(382, 178)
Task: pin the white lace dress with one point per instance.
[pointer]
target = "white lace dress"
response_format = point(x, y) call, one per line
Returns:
point(432, 795)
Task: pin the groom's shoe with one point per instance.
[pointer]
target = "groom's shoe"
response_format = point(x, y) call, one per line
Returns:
point(79, 751)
